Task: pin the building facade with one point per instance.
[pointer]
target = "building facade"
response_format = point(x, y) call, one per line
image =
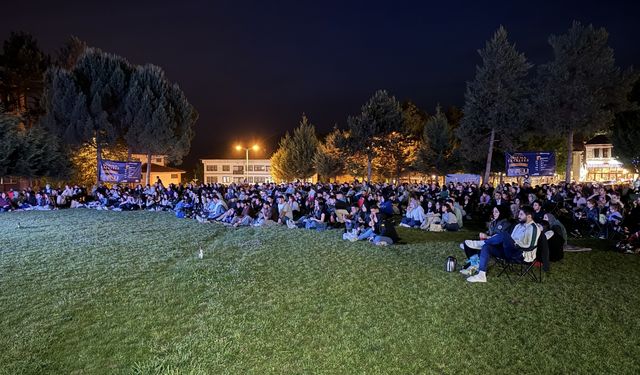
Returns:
point(599, 162)
point(226, 171)
point(155, 159)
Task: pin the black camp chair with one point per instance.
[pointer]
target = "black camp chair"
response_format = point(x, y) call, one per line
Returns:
point(521, 269)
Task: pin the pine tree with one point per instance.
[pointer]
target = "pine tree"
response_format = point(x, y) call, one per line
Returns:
point(69, 54)
point(304, 144)
point(85, 105)
point(414, 119)
point(494, 101)
point(367, 132)
point(22, 65)
point(282, 166)
point(328, 160)
point(438, 150)
point(160, 118)
point(10, 144)
point(625, 134)
point(580, 91)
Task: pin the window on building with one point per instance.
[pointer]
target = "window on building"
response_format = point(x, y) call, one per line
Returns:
point(258, 168)
point(158, 160)
point(174, 175)
point(596, 152)
point(250, 168)
point(259, 180)
point(238, 168)
point(605, 152)
point(212, 168)
point(225, 168)
point(267, 168)
point(212, 179)
point(226, 179)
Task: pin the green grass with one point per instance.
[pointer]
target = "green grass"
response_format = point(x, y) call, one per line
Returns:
point(123, 292)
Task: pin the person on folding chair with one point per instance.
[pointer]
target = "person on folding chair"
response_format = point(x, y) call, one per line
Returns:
point(510, 246)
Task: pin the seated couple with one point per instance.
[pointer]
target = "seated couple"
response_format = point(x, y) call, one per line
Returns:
point(514, 245)
point(379, 230)
point(443, 218)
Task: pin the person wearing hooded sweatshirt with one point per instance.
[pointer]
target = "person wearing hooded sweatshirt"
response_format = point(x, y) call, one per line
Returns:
point(499, 223)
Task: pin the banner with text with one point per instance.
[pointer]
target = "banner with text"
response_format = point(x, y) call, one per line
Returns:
point(530, 163)
point(120, 171)
point(462, 178)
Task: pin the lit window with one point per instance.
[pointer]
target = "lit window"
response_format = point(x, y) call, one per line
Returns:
point(212, 168)
point(174, 175)
point(226, 179)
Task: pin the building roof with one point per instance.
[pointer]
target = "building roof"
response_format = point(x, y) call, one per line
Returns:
point(160, 168)
point(600, 139)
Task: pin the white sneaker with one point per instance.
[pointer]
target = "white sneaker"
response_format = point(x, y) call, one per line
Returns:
point(461, 246)
point(476, 245)
point(481, 277)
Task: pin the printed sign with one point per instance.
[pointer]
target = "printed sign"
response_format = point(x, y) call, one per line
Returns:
point(120, 171)
point(530, 163)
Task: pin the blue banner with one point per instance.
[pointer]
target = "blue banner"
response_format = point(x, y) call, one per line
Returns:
point(120, 171)
point(530, 163)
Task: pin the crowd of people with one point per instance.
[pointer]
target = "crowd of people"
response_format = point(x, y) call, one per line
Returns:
point(368, 212)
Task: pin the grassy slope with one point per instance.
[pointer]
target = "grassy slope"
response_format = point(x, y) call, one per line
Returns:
point(104, 292)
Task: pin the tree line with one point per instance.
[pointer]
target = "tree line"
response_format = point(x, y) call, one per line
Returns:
point(509, 106)
point(57, 110)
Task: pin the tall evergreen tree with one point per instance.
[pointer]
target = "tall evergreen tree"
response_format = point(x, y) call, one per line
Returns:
point(414, 119)
point(10, 144)
point(494, 101)
point(85, 105)
point(282, 166)
point(438, 150)
point(304, 144)
point(367, 132)
point(22, 67)
point(329, 161)
point(159, 118)
point(69, 54)
point(580, 91)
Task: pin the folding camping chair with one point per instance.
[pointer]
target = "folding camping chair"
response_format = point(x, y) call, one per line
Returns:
point(538, 252)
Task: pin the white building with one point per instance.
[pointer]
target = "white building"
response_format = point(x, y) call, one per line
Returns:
point(226, 171)
point(155, 159)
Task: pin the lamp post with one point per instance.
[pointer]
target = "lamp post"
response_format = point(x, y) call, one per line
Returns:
point(246, 167)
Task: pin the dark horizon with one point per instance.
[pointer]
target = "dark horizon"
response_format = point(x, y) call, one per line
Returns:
point(252, 70)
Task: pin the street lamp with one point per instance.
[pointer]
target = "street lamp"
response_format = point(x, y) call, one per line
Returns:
point(246, 168)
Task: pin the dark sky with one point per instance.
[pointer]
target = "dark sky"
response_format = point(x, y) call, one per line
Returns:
point(252, 68)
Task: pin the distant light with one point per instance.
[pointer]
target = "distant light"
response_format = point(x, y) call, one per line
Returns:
point(256, 147)
point(238, 147)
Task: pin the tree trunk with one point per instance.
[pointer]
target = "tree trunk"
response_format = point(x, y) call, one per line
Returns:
point(487, 168)
point(98, 158)
point(148, 177)
point(369, 169)
point(567, 177)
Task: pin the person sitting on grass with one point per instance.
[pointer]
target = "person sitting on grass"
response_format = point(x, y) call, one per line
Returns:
point(318, 219)
point(4, 203)
point(449, 219)
point(414, 216)
point(499, 223)
point(510, 247)
point(284, 210)
point(380, 230)
point(614, 220)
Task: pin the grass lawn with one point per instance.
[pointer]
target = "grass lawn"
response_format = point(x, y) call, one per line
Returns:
point(124, 292)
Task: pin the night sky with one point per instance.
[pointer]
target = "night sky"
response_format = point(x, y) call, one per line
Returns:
point(252, 69)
